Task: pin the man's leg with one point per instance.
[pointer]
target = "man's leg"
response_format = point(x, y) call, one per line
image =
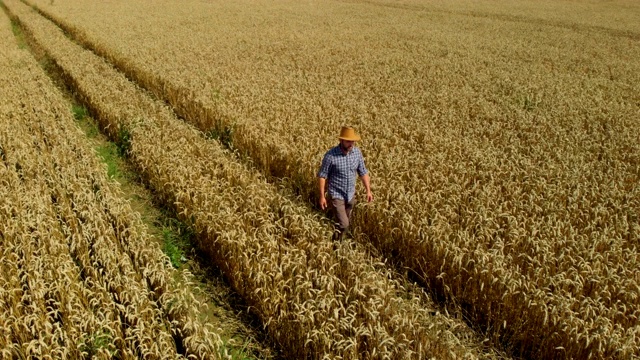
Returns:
point(342, 214)
point(348, 207)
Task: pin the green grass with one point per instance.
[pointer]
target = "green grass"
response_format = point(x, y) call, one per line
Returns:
point(79, 112)
point(93, 343)
point(124, 141)
point(17, 32)
point(109, 155)
point(177, 240)
point(109, 152)
point(83, 119)
point(236, 352)
point(224, 136)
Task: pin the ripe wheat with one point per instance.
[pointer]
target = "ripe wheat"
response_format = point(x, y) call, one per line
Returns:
point(79, 277)
point(315, 301)
point(505, 157)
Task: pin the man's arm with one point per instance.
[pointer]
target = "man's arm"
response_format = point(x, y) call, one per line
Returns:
point(323, 175)
point(321, 185)
point(364, 176)
point(367, 185)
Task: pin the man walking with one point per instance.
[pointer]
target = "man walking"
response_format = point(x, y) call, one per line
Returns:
point(339, 167)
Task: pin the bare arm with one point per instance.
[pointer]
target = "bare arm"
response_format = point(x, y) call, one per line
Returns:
point(321, 186)
point(367, 185)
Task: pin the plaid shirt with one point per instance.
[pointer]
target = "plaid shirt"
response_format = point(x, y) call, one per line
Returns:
point(340, 170)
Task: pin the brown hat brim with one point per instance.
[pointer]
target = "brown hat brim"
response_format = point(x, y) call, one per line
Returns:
point(354, 138)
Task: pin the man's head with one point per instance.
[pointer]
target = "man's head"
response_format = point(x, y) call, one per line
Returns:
point(348, 137)
point(346, 145)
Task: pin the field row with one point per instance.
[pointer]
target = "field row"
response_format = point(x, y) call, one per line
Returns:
point(505, 165)
point(315, 298)
point(79, 275)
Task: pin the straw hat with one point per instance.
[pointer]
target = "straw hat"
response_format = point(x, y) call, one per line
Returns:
point(349, 134)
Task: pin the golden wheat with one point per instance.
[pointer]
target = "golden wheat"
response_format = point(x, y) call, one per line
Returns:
point(79, 278)
point(315, 301)
point(505, 156)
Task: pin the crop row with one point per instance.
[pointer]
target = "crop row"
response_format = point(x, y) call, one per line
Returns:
point(80, 277)
point(315, 298)
point(515, 197)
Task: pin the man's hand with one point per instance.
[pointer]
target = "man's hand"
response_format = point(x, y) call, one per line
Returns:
point(367, 186)
point(323, 202)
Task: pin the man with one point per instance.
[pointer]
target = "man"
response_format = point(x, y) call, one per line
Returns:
point(339, 167)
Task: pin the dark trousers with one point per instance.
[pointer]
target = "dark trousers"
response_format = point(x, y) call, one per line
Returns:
point(342, 212)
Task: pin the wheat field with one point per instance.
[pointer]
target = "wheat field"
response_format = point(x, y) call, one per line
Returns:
point(80, 277)
point(502, 138)
point(315, 299)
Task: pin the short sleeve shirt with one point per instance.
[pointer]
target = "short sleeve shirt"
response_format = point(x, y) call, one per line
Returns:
point(340, 170)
